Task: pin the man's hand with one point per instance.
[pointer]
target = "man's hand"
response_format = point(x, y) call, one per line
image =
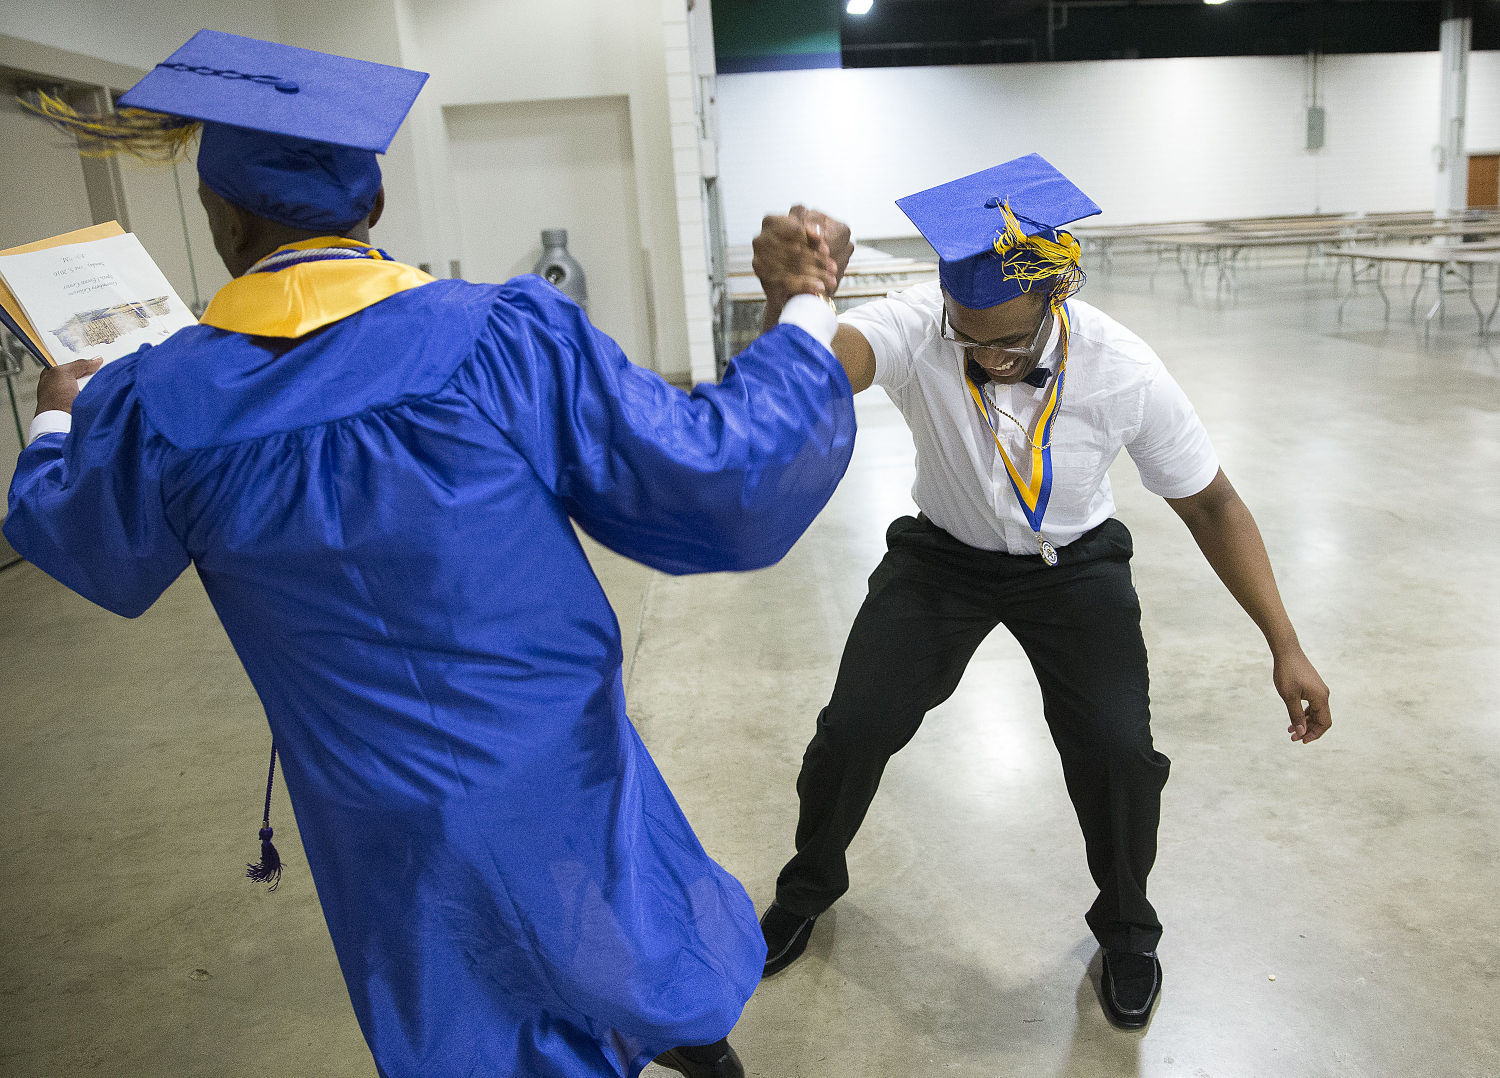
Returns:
point(792, 256)
point(58, 387)
point(1305, 696)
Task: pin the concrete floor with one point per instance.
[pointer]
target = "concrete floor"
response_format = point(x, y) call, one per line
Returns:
point(1330, 910)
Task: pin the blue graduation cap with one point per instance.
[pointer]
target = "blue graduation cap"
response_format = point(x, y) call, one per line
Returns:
point(289, 134)
point(997, 232)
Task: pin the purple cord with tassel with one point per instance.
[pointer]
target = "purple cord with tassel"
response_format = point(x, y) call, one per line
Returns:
point(268, 869)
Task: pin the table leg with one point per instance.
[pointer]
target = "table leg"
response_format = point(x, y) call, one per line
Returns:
point(15, 411)
point(1484, 327)
point(1468, 275)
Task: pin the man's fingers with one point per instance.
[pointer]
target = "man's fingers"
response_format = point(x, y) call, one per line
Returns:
point(1293, 702)
point(1318, 719)
point(79, 367)
point(817, 241)
point(778, 227)
point(781, 241)
point(1309, 714)
point(779, 266)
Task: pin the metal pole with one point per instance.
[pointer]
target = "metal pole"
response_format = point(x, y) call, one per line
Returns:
point(12, 367)
point(1455, 38)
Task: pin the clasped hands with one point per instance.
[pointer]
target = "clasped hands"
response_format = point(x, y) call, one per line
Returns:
point(800, 251)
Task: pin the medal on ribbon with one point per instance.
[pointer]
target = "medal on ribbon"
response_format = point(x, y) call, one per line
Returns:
point(1033, 493)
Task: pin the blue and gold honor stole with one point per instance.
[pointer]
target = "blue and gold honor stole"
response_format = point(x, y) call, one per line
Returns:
point(308, 285)
point(1034, 493)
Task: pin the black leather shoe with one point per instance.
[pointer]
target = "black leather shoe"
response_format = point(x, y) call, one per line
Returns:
point(786, 938)
point(709, 1061)
point(1129, 986)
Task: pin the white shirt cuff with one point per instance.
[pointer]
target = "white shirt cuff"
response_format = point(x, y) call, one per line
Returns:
point(813, 314)
point(49, 423)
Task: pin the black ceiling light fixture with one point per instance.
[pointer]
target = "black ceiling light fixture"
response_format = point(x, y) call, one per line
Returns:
point(910, 33)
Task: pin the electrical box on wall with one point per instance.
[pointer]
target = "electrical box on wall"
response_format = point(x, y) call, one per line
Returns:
point(1315, 121)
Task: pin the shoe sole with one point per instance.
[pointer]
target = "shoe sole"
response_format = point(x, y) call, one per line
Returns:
point(1128, 1023)
point(674, 1061)
point(791, 952)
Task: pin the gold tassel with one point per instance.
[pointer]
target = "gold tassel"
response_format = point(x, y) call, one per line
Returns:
point(151, 136)
point(1030, 259)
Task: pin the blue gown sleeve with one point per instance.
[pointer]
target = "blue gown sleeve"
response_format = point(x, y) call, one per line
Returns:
point(86, 507)
point(725, 477)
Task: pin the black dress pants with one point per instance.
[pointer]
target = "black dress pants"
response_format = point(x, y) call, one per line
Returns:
point(932, 600)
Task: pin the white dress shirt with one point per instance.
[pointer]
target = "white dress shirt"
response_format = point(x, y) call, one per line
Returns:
point(1118, 395)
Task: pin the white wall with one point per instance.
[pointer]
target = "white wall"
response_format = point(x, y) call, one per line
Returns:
point(1149, 140)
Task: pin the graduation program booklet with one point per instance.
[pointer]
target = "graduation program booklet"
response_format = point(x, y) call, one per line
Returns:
point(91, 294)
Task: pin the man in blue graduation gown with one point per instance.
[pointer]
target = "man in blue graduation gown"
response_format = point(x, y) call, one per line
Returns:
point(376, 475)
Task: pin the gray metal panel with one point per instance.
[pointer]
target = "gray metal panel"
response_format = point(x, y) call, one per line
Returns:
point(1316, 119)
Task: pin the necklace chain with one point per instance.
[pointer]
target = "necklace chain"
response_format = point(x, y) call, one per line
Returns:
point(1021, 426)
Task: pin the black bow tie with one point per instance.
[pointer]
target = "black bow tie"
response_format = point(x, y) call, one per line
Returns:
point(1038, 377)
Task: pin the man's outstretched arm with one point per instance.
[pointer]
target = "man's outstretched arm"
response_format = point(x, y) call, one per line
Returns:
point(1227, 534)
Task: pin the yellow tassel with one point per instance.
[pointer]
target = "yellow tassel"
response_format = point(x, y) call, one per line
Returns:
point(1030, 259)
point(151, 136)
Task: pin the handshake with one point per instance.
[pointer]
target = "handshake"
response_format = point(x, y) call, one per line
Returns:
point(802, 251)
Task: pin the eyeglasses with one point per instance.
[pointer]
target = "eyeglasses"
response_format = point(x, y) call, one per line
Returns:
point(1044, 327)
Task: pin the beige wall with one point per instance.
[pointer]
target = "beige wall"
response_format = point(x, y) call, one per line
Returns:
point(167, 217)
point(41, 194)
point(522, 167)
point(499, 52)
point(42, 189)
point(41, 182)
point(370, 30)
point(136, 32)
point(481, 52)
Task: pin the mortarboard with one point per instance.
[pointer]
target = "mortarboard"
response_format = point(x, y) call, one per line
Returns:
point(996, 232)
point(289, 134)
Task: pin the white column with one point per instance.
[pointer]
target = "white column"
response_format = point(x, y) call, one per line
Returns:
point(688, 156)
point(1453, 166)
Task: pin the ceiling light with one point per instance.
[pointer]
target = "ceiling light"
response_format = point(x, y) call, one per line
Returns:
point(1213, 1)
point(862, 7)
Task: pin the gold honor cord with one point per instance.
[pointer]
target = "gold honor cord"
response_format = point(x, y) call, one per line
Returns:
point(1034, 493)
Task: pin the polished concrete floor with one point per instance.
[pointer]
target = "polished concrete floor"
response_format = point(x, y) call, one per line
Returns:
point(1330, 909)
